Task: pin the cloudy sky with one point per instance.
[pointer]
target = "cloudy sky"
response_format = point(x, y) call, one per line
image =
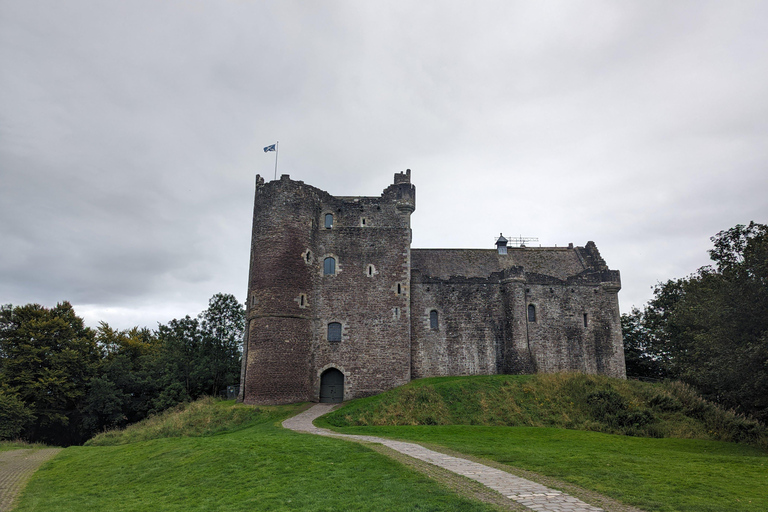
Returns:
point(131, 133)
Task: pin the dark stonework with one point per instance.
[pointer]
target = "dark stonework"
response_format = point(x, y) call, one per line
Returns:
point(382, 293)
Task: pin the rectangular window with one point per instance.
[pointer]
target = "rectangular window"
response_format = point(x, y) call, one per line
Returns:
point(329, 266)
point(334, 331)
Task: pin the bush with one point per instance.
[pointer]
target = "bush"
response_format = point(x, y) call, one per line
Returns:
point(14, 416)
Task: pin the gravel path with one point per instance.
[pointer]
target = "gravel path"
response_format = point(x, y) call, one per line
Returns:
point(524, 492)
point(16, 466)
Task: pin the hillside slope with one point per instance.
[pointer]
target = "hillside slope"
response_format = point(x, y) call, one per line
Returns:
point(573, 401)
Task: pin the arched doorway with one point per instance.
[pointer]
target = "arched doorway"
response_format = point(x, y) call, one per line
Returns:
point(331, 386)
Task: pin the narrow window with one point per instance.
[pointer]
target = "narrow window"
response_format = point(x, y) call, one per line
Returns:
point(370, 270)
point(362, 222)
point(301, 300)
point(585, 319)
point(398, 289)
point(329, 266)
point(433, 319)
point(328, 220)
point(309, 256)
point(531, 313)
point(334, 331)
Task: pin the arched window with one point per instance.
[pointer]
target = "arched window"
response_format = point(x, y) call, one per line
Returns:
point(329, 266)
point(433, 319)
point(328, 220)
point(334, 331)
point(531, 313)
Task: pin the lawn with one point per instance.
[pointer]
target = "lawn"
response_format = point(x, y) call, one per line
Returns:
point(653, 474)
point(259, 467)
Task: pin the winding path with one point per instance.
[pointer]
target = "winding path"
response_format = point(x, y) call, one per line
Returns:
point(16, 466)
point(525, 492)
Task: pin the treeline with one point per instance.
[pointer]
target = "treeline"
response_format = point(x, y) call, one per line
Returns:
point(710, 329)
point(61, 382)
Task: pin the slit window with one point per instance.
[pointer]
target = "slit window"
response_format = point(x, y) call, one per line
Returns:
point(329, 266)
point(328, 220)
point(399, 290)
point(586, 320)
point(433, 319)
point(334, 331)
point(531, 313)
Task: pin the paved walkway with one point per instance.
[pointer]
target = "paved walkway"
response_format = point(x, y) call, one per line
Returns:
point(16, 466)
point(530, 494)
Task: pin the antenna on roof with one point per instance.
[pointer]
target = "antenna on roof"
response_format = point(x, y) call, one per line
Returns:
point(520, 241)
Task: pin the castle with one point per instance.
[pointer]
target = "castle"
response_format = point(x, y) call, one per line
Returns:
point(340, 306)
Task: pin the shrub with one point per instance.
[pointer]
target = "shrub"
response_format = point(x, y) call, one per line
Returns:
point(14, 416)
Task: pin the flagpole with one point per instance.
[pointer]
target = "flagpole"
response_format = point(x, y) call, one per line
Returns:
point(276, 151)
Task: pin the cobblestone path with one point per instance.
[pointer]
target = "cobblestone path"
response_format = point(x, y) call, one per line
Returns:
point(525, 492)
point(16, 466)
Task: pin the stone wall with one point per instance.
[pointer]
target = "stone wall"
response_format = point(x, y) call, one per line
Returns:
point(483, 321)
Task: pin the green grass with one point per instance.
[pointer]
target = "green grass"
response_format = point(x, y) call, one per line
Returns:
point(220, 456)
point(563, 426)
point(653, 474)
point(21, 445)
point(573, 401)
point(257, 467)
point(203, 417)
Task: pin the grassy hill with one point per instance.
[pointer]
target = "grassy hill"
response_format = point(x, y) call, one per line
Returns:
point(213, 455)
point(218, 456)
point(573, 401)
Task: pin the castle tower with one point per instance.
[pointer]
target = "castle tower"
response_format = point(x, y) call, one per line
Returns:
point(328, 294)
point(277, 347)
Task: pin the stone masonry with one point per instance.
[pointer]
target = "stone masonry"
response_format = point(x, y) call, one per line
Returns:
point(334, 287)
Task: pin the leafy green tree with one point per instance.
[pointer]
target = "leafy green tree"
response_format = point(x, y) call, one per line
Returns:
point(14, 416)
point(201, 355)
point(222, 325)
point(645, 358)
point(180, 361)
point(711, 328)
point(47, 357)
point(131, 360)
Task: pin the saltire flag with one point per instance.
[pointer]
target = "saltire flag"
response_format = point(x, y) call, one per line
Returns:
point(269, 148)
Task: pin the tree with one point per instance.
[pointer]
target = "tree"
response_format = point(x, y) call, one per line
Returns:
point(47, 358)
point(130, 362)
point(222, 325)
point(711, 328)
point(200, 356)
point(643, 356)
point(14, 416)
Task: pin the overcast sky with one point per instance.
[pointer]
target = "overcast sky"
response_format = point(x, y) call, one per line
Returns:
point(131, 133)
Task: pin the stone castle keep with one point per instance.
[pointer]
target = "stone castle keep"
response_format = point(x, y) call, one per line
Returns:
point(340, 306)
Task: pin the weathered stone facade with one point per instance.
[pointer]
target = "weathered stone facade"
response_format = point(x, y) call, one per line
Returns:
point(335, 287)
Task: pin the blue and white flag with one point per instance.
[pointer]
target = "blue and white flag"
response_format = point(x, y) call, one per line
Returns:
point(269, 148)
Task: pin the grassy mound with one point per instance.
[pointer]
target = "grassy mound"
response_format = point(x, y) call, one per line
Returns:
point(573, 401)
point(203, 417)
point(258, 467)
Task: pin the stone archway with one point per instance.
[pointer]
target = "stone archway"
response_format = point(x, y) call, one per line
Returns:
point(332, 386)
